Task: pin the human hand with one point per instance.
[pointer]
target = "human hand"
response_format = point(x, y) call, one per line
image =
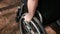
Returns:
point(28, 17)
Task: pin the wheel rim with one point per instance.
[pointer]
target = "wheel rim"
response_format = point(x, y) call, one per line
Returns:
point(30, 28)
point(27, 29)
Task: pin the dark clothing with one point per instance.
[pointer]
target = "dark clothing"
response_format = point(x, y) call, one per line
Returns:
point(49, 9)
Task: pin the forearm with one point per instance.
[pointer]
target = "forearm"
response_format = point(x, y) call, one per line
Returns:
point(32, 5)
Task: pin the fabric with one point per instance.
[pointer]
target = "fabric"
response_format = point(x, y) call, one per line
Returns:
point(24, 1)
point(49, 9)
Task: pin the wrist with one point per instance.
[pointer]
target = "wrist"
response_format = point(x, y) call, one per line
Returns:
point(31, 14)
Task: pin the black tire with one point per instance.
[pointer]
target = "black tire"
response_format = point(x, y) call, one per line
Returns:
point(35, 24)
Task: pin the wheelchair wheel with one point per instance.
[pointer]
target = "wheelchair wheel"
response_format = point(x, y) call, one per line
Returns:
point(34, 27)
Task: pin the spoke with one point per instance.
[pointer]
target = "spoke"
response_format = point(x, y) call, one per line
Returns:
point(35, 27)
point(28, 27)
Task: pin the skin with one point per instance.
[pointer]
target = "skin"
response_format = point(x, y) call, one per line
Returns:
point(32, 5)
point(49, 30)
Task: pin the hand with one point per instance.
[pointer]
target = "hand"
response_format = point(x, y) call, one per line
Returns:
point(28, 17)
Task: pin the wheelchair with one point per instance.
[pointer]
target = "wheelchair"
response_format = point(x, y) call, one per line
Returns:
point(34, 27)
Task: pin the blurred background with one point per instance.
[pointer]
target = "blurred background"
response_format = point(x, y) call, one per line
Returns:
point(8, 10)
